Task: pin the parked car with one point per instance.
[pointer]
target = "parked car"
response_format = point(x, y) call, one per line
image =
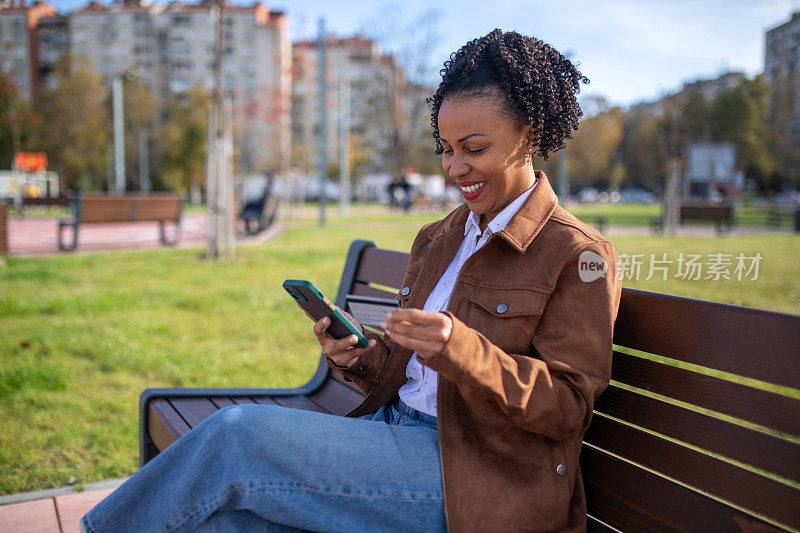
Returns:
point(587, 195)
point(636, 195)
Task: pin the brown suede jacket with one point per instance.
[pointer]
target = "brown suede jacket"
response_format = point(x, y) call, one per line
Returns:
point(529, 353)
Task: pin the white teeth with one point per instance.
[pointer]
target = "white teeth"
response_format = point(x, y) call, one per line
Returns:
point(473, 188)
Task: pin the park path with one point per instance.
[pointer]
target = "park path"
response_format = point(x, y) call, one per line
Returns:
point(39, 235)
point(55, 510)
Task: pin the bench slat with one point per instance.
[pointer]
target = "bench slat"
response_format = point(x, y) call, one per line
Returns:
point(757, 406)
point(747, 342)
point(264, 400)
point(630, 498)
point(362, 289)
point(337, 397)
point(727, 481)
point(242, 400)
point(385, 267)
point(299, 402)
point(165, 425)
point(773, 454)
point(158, 209)
point(194, 410)
point(222, 402)
point(105, 209)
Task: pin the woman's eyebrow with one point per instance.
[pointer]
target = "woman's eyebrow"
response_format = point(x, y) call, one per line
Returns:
point(462, 139)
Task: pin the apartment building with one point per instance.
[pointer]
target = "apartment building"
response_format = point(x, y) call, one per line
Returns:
point(358, 79)
point(782, 72)
point(171, 47)
point(53, 39)
point(19, 46)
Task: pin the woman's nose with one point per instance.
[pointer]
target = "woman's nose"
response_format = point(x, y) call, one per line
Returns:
point(458, 168)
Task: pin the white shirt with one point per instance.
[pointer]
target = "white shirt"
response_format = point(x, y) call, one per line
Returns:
point(419, 392)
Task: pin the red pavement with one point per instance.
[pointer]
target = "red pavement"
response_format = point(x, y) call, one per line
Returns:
point(57, 514)
point(39, 235)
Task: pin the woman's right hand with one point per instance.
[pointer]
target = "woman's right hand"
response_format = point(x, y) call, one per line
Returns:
point(340, 351)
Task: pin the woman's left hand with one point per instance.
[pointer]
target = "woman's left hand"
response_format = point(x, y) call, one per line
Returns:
point(424, 332)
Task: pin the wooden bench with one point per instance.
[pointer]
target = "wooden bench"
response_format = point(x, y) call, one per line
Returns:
point(598, 222)
point(260, 213)
point(720, 215)
point(62, 200)
point(3, 228)
point(105, 208)
point(702, 436)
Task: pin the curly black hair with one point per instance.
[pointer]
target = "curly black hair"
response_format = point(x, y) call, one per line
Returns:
point(540, 85)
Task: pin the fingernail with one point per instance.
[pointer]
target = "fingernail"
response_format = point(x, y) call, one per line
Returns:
point(384, 325)
point(353, 339)
point(372, 343)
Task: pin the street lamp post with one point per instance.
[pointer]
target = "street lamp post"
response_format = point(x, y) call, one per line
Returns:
point(119, 135)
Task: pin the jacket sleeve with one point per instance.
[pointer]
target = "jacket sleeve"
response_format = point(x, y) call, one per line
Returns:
point(552, 394)
point(366, 370)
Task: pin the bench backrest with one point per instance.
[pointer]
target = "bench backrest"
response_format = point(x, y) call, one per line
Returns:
point(719, 213)
point(63, 200)
point(129, 207)
point(158, 207)
point(701, 424)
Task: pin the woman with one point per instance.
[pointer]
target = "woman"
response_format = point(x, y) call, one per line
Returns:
point(482, 387)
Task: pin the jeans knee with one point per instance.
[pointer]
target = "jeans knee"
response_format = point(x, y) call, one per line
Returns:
point(240, 420)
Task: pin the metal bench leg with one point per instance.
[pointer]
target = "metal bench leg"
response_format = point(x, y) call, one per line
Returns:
point(163, 234)
point(61, 245)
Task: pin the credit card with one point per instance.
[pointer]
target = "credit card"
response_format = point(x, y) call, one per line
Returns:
point(370, 310)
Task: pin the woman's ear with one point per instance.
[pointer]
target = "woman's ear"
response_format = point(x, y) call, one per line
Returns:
point(530, 138)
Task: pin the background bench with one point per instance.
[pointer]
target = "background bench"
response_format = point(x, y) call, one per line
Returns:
point(710, 442)
point(260, 213)
point(720, 215)
point(105, 208)
point(62, 200)
point(3, 228)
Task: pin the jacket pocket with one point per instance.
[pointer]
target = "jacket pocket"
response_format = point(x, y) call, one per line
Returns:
point(507, 317)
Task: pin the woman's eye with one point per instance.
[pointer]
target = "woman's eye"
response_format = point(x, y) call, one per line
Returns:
point(475, 150)
point(450, 151)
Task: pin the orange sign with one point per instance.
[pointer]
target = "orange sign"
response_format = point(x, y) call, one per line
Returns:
point(30, 161)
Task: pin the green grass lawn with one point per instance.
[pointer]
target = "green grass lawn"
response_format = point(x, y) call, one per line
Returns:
point(642, 214)
point(83, 335)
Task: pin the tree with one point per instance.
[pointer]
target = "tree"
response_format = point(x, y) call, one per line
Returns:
point(139, 110)
point(18, 123)
point(592, 154)
point(183, 139)
point(739, 115)
point(75, 123)
point(400, 107)
point(639, 151)
point(784, 135)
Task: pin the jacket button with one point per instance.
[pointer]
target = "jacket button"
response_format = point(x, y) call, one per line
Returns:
point(405, 291)
point(561, 470)
point(502, 308)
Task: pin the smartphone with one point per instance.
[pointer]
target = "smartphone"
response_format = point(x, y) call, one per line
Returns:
point(317, 305)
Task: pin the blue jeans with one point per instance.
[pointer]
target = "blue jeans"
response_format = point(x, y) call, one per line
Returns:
point(270, 468)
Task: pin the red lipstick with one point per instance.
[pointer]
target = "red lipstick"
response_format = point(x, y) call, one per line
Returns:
point(471, 195)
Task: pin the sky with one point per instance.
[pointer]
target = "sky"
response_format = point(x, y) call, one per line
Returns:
point(631, 50)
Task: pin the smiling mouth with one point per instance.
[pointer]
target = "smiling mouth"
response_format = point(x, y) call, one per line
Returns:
point(469, 189)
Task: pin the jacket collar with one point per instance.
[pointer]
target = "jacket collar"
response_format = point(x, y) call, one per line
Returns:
point(523, 226)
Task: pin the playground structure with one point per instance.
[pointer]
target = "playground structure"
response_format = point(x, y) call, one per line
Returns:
point(16, 185)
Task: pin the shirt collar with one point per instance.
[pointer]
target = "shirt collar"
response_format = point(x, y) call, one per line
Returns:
point(502, 219)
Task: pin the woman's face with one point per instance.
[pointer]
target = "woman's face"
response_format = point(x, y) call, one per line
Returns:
point(485, 152)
